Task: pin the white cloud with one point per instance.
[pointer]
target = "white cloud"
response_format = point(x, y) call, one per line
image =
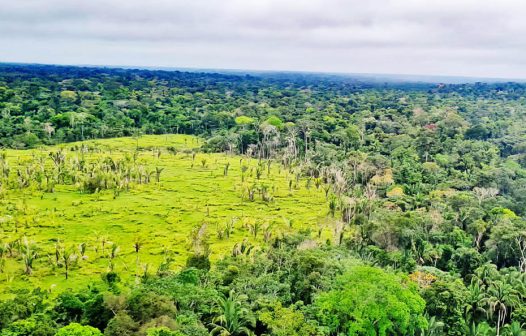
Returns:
point(450, 37)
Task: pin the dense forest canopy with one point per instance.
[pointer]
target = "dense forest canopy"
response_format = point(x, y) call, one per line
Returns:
point(469, 131)
point(426, 184)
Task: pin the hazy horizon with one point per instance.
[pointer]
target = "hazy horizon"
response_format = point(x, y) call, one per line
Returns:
point(464, 38)
point(395, 77)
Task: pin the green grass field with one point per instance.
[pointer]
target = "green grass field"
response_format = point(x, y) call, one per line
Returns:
point(192, 191)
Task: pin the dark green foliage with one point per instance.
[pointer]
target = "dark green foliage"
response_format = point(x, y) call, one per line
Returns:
point(427, 182)
point(96, 314)
point(199, 261)
point(447, 299)
point(68, 308)
point(121, 325)
point(144, 306)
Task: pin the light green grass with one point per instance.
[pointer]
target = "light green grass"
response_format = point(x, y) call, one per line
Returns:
point(162, 214)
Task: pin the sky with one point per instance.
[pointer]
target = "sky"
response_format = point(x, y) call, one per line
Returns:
point(477, 38)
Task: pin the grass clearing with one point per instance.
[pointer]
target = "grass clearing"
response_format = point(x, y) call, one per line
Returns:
point(193, 191)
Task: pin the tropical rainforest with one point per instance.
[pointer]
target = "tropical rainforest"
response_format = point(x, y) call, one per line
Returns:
point(171, 203)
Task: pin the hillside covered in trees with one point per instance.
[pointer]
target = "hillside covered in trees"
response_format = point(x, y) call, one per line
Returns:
point(285, 204)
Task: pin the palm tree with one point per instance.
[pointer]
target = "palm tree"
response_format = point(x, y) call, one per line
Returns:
point(58, 248)
point(58, 157)
point(82, 249)
point(514, 329)
point(517, 280)
point(29, 256)
point(113, 255)
point(232, 318)
point(502, 298)
point(136, 135)
point(254, 228)
point(137, 245)
point(486, 272)
point(243, 248)
point(158, 172)
point(68, 257)
point(480, 329)
point(475, 299)
point(434, 327)
point(103, 240)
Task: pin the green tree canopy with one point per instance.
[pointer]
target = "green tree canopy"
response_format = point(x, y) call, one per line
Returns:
point(75, 329)
point(369, 301)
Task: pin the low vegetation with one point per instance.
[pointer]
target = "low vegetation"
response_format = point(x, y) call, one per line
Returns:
point(133, 206)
